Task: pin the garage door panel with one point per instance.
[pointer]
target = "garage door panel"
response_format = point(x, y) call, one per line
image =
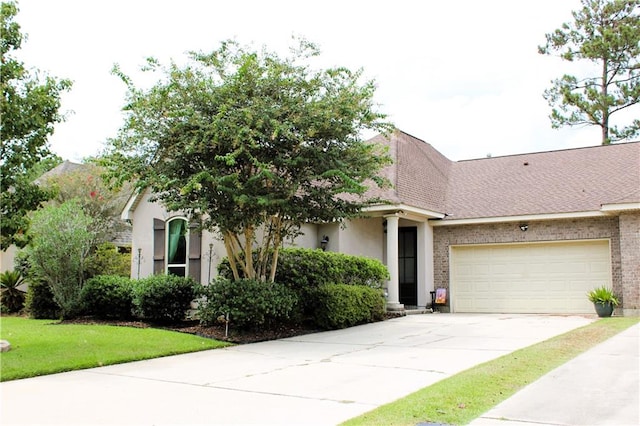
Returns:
point(528, 278)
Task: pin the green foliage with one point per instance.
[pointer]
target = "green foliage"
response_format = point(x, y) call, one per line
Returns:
point(606, 33)
point(108, 296)
point(11, 296)
point(249, 303)
point(60, 245)
point(252, 141)
point(341, 305)
point(29, 109)
point(106, 260)
point(304, 270)
point(164, 298)
point(603, 295)
point(103, 204)
point(39, 302)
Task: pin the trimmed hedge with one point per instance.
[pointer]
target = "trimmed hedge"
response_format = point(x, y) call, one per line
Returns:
point(164, 298)
point(249, 303)
point(304, 270)
point(300, 268)
point(39, 301)
point(341, 305)
point(108, 296)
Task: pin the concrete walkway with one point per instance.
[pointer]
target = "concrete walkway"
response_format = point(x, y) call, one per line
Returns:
point(599, 387)
point(323, 378)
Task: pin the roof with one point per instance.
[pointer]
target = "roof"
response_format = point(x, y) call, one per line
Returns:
point(563, 181)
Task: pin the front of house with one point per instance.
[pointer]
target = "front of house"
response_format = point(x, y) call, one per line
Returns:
point(528, 233)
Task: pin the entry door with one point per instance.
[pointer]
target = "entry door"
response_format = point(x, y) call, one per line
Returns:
point(408, 265)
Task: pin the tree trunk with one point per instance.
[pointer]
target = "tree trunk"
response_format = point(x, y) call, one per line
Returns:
point(605, 105)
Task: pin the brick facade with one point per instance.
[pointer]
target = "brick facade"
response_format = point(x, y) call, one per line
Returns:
point(623, 234)
point(630, 262)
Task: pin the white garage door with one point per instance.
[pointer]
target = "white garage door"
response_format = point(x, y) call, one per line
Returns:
point(528, 278)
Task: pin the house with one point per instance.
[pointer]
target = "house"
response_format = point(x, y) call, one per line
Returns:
point(529, 233)
point(121, 238)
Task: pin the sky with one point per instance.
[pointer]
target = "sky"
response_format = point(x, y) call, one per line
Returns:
point(464, 75)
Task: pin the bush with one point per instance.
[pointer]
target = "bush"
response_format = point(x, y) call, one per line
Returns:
point(340, 305)
point(164, 298)
point(249, 303)
point(108, 296)
point(61, 241)
point(300, 268)
point(106, 260)
point(305, 270)
point(39, 301)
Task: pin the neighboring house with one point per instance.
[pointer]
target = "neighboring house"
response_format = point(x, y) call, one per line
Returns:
point(529, 233)
point(121, 239)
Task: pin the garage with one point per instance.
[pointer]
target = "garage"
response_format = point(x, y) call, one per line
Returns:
point(550, 277)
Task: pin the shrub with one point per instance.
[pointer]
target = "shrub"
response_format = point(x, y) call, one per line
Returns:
point(39, 301)
point(108, 296)
point(61, 241)
point(340, 305)
point(11, 296)
point(249, 303)
point(106, 260)
point(300, 268)
point(164, 298)
point(305, 270)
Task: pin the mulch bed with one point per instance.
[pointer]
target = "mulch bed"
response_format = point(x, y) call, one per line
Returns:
point(217, 331)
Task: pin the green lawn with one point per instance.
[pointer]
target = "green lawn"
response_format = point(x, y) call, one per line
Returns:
point(41, 347)
point(467, 395)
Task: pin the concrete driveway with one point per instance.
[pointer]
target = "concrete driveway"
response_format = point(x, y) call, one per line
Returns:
point(322, 378)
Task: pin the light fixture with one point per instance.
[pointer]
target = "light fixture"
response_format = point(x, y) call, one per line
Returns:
point(323, 242)
point(524, 227)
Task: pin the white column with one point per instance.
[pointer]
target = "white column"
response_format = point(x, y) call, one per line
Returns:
point(393, 291)
point(425, 263)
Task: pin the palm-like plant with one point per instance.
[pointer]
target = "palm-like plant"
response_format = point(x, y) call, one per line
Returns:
point(11, 296)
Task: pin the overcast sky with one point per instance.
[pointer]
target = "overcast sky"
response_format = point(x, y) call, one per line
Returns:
point(463, 75)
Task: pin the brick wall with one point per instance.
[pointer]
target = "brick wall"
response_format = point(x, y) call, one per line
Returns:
point(552, 230)
point(630, 262)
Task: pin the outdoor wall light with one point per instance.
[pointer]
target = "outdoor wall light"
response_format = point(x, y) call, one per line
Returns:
point(323, 242)
point(524, 227)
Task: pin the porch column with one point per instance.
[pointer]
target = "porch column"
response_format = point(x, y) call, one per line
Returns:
point(393, 292)
point(425, 264)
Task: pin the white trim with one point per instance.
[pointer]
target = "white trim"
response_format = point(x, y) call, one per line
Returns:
point(403, 208)
point(620, 207)
point(499, 219)
point(132, 202)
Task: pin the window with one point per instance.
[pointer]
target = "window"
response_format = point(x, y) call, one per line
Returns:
point(177, 233)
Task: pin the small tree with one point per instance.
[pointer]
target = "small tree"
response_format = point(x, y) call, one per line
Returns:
point(60, 243)
point(606, 33)
point(253, 145)
point(29, 109)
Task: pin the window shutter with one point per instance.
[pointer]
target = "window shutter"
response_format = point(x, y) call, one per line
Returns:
point(195, 244)
point(158, 246)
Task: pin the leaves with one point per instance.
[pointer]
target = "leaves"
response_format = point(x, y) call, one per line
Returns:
point(606, 33)
point(246, 138)
point(29, 108)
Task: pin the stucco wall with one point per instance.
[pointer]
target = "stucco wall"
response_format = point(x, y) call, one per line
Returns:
point(538, 231)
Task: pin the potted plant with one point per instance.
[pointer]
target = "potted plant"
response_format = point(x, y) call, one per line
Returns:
point(603, 300)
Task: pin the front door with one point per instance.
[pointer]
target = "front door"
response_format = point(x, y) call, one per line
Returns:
point(408, 265)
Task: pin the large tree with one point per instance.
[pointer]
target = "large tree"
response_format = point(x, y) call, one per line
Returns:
point(606, 33)
point(252, 145)
point(29, 109)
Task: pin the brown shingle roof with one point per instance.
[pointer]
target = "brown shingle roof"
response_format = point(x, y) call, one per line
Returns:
point(419, 173)
point(564, 181)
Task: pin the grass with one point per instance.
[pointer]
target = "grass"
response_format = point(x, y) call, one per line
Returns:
point(467, 395)
point(40, 347)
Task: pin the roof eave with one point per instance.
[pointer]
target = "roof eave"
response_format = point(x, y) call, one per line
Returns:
point(520, 218)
